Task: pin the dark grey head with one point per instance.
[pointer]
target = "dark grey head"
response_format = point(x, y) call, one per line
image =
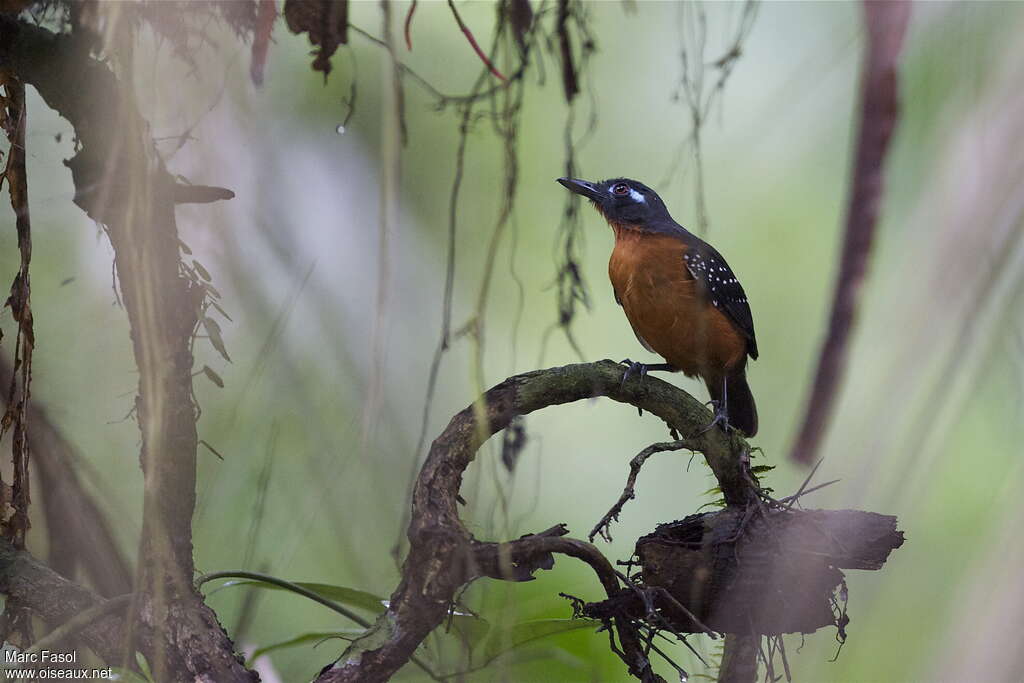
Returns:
point(625, 202)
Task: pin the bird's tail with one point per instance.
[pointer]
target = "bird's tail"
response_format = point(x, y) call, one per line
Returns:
point(739, 402)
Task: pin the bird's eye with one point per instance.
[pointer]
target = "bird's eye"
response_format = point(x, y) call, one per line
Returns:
point(621, 189)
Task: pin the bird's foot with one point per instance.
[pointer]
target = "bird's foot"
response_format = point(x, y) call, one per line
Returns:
point(641, 369)
point(721, 418)
point(633, 368)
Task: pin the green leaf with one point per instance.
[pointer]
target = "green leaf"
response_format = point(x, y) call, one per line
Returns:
point(143, 663)
point(213, 330)
point(471, 628)
point(340, 594)
point(303, 639)
point(214, 377)
point(524, 632)
point(184, 247)
point(758, 469)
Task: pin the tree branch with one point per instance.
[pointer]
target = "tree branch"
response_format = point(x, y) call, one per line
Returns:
point(603, 527)
point(739, 662)
point(121, 182)
point(57, 600)
point(442, 553)
point(886, 24)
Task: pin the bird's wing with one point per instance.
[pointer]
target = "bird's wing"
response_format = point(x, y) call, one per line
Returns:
point(723, 288)
point(643, 342)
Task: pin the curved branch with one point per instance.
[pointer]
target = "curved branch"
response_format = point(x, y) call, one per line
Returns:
point(604, 527)
point(534, 551)
point(443, 555)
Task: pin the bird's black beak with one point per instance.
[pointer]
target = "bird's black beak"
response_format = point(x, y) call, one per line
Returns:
point(588, 190)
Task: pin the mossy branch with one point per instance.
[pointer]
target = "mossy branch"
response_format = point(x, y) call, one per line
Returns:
point(443, 555)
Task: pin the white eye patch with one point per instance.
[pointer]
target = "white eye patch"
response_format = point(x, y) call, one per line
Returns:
point(637, 197)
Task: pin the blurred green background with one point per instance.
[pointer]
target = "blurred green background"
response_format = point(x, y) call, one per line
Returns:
point(930, 416)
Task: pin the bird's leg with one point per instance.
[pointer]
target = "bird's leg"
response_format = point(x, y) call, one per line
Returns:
point(641, 369)
point(721, 411)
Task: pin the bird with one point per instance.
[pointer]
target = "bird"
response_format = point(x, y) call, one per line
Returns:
point(680, 296)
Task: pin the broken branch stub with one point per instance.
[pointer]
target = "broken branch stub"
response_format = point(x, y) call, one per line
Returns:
point(762, 571)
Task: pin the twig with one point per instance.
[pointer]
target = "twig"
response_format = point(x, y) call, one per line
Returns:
point(603, 527)
point(680, 670)
point(803, 493)
point(472, 41)
point(675, 604)
point(807, 480)
point(408, 25)
point(15, 416)
point(785, 660)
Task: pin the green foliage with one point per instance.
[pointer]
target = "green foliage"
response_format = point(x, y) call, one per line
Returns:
point(350, 597)
point(485, 650)
point(503, 641)
point(305, 639)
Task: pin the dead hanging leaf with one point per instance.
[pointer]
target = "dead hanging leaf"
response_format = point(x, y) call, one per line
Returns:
point(512, 443)
point(213, 330)
point(326, 22)
point(203, 272)
point(570, 82)
point(520, 16)
point(213, 376)
point(199, 194)
point(219, 309)
point(265, 16)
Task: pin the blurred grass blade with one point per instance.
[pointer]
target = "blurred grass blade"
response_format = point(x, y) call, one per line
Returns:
point(340, 594)
point(501, 642)
point(315, 637)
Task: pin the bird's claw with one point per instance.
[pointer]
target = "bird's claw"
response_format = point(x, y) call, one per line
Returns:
point(721, 418)
point(633, 368)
